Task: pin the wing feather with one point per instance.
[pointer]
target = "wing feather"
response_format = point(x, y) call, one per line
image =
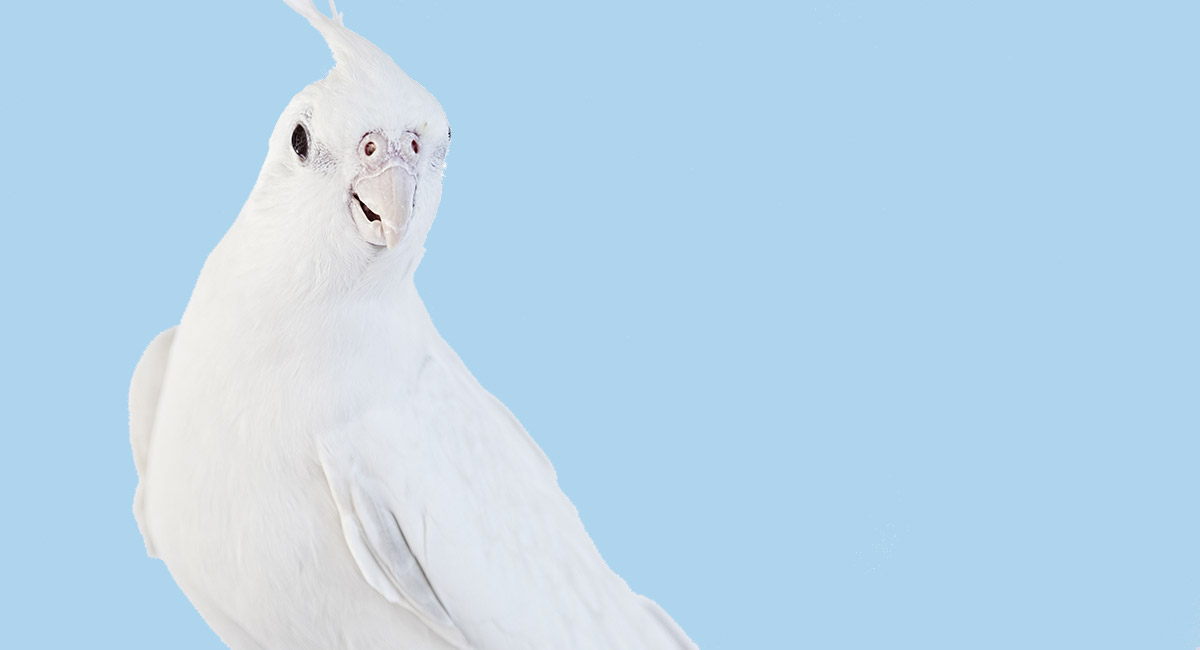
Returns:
point(380, 547)
point(144, 390)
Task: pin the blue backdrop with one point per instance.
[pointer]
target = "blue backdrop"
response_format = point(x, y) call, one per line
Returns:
point(849, 325)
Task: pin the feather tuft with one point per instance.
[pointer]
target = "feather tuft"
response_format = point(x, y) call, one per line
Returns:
point(349, 49)
point(305, 8)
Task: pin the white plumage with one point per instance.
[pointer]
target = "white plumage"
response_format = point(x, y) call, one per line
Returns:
point(317, 467)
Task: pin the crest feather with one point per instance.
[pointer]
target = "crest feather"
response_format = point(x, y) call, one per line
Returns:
point(349, 49)
point(307, 9)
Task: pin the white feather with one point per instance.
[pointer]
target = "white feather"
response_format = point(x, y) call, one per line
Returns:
point(144, 390)
point(324, 471)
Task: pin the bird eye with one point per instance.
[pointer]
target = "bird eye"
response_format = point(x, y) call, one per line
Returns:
point(369, 149)
point(300, 141)
point(416, 147)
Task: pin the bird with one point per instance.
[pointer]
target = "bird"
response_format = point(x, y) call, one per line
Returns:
point(317, 467)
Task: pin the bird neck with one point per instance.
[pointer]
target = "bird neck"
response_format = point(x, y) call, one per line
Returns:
point(301, 245)
point(271, 268)
point(289, 311)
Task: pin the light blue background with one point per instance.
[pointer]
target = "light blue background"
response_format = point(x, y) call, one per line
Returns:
point(853, 325)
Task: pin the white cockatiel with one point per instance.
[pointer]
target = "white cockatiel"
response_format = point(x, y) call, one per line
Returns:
point(317, 467)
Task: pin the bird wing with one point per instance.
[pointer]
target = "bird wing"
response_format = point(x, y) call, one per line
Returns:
point(143, 405)
point(379, 545)
point(450, 509)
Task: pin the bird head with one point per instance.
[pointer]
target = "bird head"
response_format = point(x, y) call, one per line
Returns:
point(361, 152)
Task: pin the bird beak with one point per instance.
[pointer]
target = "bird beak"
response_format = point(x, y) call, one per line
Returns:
point(387, 199)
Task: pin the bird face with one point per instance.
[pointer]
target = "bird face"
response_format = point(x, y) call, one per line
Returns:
point(366, 142)
point(387, 179)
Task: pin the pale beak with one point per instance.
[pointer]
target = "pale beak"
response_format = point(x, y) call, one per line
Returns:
point(386, 199)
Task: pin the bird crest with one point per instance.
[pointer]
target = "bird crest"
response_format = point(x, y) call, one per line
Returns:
point(351, 52)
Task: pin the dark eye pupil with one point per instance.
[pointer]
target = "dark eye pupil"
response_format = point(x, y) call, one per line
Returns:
point(300, 141)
